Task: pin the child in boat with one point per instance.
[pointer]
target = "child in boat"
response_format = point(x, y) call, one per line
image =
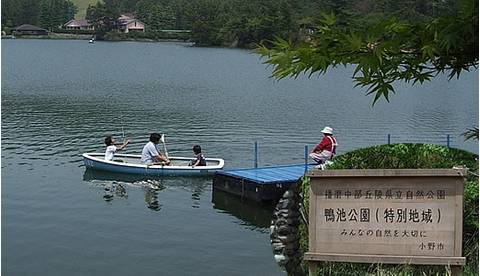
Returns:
point(199, 158)
point(112, 148)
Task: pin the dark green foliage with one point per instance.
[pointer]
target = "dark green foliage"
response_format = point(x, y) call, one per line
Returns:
point(18, 12)
point(471, 134)
point(128, 5)
point(55, 13)
point(104, 16)
point(207, 18)
point(157, 16)
point(48, 14)
point(252, 22)
point(409, 156)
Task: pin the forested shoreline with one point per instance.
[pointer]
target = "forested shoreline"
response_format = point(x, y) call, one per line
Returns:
point(228, 23)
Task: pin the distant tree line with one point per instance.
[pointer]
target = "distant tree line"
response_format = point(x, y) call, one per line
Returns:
point(48, 14)
point(244, 23)
point(236, 23)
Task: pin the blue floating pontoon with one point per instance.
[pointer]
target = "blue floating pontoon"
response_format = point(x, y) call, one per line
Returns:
point(259, 184)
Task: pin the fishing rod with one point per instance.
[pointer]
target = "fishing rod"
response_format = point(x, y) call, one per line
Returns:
point(123, 132)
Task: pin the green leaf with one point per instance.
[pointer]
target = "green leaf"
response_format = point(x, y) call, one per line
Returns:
point(471, 133)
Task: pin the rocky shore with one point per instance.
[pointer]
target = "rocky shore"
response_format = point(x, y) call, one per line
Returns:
point(284, 235)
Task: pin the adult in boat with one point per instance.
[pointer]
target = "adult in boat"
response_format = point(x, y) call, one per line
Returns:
point(150, 153)
point(112, 147)
point(326, 149)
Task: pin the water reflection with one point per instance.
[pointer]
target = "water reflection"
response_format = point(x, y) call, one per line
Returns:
point(114, 189)
point(256, 216)
point(114, 185)
point(197, 191)
point(151, 196)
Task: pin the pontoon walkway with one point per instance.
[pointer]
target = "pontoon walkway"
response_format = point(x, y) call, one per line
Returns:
point(259, 184)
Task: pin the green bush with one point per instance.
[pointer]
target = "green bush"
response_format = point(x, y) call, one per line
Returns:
point(408, 156)
point(7, 30)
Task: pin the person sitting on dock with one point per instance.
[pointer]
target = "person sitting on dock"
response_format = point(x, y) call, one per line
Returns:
point(199, 158)
point(151, 155)
point(326, 149)
point(112, 148)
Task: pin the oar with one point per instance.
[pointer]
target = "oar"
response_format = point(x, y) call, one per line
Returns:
point(123, 132)
point(162, 138)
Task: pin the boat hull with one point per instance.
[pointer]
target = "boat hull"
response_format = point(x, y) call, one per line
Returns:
point(128, 163)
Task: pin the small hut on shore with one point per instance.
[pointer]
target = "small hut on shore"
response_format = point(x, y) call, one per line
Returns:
point(27, 29)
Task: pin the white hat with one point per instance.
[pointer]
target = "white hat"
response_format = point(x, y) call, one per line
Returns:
point(327, 130)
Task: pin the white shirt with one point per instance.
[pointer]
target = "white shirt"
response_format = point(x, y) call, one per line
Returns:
point(110, 152)
point(148, 153)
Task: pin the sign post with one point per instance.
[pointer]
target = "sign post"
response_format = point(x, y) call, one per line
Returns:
point(395, 216)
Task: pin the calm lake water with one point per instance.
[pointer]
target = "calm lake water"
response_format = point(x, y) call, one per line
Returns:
point(60, 98)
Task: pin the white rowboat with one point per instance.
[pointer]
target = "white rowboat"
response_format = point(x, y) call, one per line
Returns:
point(130, 163)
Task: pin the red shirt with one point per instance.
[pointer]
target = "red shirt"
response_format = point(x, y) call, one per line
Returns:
point(326, 144)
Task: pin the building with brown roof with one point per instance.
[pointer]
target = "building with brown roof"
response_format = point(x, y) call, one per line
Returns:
point(128, 23)
point(27, 29)
point(78, 25)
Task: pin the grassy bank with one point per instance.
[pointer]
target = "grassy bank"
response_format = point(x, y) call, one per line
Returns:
point(408, 156)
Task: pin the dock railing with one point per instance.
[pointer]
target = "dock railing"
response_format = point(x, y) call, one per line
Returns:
point(446, 140)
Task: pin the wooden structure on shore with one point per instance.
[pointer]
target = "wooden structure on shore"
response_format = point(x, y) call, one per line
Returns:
point(27, 29)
